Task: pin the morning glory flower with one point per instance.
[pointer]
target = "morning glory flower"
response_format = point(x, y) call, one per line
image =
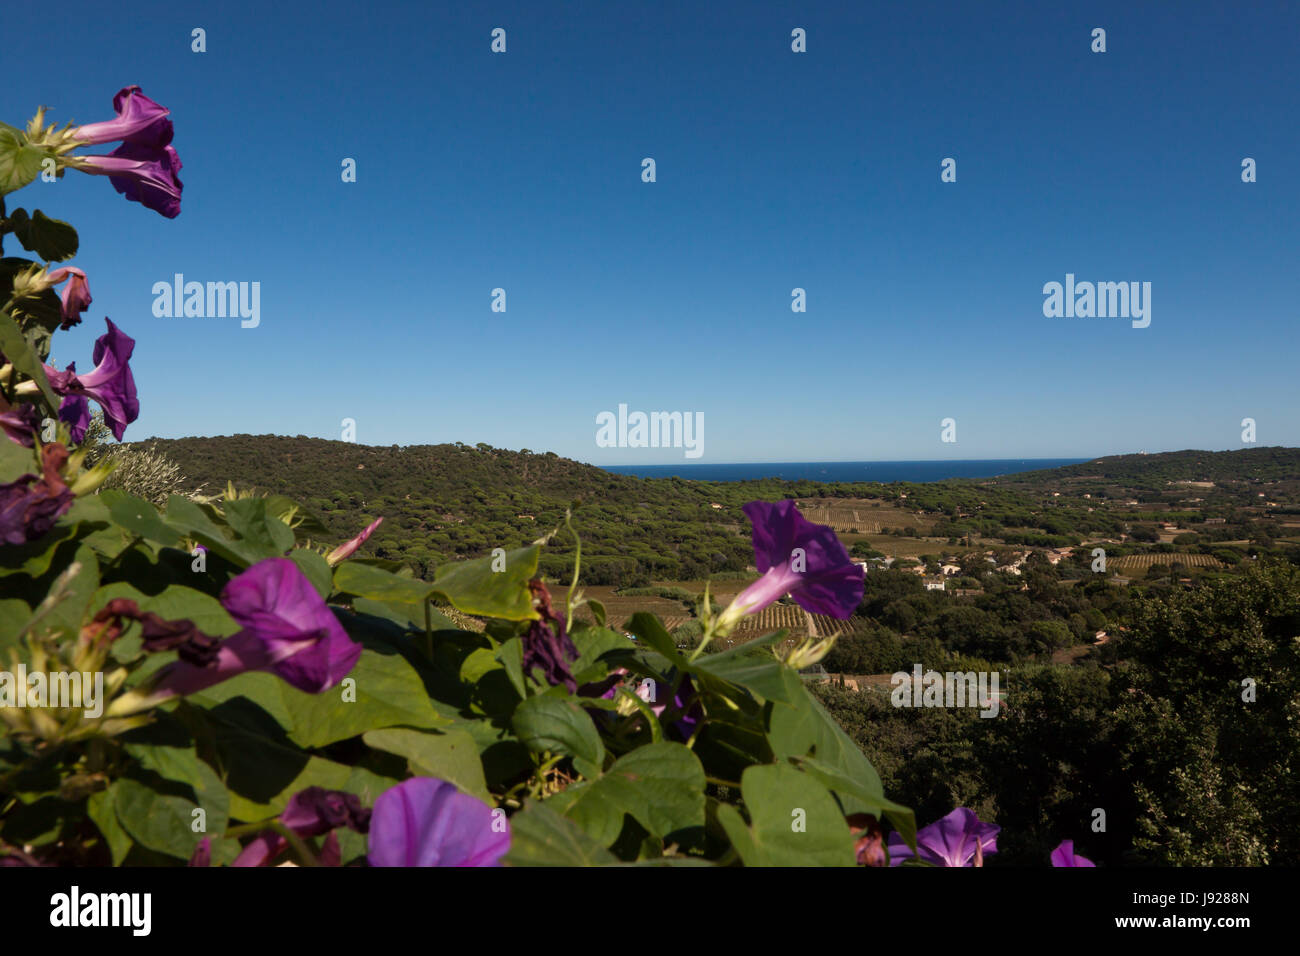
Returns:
point(145, 174)
point(76, 294)
point(959, 839)
point(799, 558)
point(288, 630)
point(425, 821)
point(139, 120)
point(31, 504)
point(1064, 855)
point(110, 383)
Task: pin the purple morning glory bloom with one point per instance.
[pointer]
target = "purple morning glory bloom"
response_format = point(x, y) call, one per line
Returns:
point(111, 384)
point(76, 294)
point(144, 174)
point(547, 644)
point(799, 558)
point(310, 813)
point(31, 504)
point(959, 839)
point(1064, 855)
point(139, 120)
point(288, 629)
point(425, 821)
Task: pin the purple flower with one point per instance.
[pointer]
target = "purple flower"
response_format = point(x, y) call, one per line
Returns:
point(31, 504)
point(1064, 855)
point(425, 821)
point(547, 643)
point(111, 384)
point(140, 121)
point(20, 423)
point(144, 174)
point(76, 294)
point(959, 839)
point(798, 558)
point(288, 629)
point(310, 813)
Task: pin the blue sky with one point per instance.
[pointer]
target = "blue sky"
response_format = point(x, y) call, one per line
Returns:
point(775, 170)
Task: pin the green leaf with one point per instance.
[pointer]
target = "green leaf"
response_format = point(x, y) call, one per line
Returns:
point(20, 161)
point(473, 587)
point(261, 768)
point(652, 633)
point(315, 569)
point(367, 581)
point(541, 837)
point(511, 656)
point(190, 520)
point(264, 532)
point(18, 351)
point(559, 725)
point(661, 785)
point(183, 765)
point(139, 517)
point(100, 807)
point(804, 728)
point(51, 239)
point(451, 755)
point(794, 821)
point(752, 668)
point(389, 693)
point(869, 801)
point(161, 821)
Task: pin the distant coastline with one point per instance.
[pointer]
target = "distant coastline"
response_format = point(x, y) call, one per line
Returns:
point(881, 471)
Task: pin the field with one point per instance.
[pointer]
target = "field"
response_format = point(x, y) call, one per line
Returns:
point(1141, 562)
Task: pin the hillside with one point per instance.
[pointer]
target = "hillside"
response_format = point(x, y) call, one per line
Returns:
point(443, 502)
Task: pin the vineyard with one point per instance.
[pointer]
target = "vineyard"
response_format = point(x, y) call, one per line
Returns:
point(1142, 562)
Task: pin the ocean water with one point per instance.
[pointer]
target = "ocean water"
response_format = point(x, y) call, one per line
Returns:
point(883, 471)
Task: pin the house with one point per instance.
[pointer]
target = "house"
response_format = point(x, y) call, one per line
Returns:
point(934, 583)
point(714, 504)
point(950, 569)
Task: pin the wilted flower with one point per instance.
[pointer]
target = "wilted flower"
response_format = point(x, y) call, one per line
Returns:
point(31, 504)
point(869, 844)
point(547, 643)
point(76, 294)
point(959, 839)
point(348, 548)
point(20, 422)
point(111, 384)
point(310, 813)
point(425, 821)
point(1064, 855)
point(288, 630)
point(799, 558)
point(139, 120)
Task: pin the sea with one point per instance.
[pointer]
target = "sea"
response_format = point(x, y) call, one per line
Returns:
point(882, 471)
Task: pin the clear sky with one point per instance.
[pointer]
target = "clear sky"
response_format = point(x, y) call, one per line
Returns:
point(775, 170)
